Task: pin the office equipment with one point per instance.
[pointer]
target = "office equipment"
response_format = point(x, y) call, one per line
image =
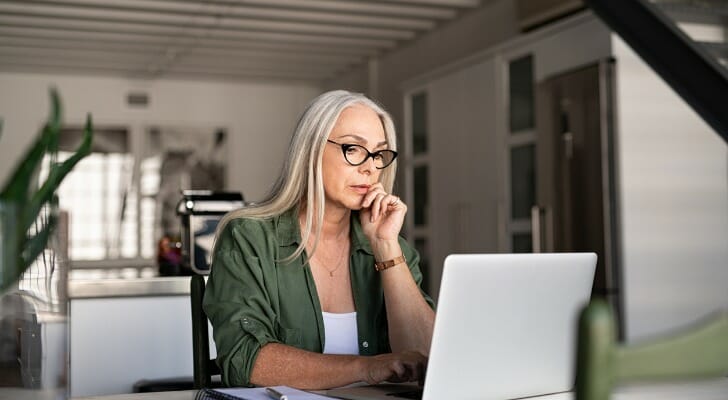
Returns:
point(200, 212)
point(505, 327)
point(698, 352)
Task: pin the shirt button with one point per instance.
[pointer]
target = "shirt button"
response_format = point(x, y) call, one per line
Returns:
point(365, 344)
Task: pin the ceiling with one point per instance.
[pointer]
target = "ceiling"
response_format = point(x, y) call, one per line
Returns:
point(304, 40)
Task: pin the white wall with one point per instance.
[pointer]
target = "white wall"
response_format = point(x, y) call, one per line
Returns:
point(463, 168)
point(259, 116)
point(674, 204)
point(493, 23)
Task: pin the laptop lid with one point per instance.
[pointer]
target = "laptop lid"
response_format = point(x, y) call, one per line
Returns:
point(506, 325)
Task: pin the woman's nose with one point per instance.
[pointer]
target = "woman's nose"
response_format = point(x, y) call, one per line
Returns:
point(367, 165)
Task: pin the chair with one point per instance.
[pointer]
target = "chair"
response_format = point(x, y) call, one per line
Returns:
point(204, 368)
point(698, 352)
point(200, 212)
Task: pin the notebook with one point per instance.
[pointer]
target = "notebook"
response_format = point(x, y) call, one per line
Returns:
point(505, 328)
point(258, 393)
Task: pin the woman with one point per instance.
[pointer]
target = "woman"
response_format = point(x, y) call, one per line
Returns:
point(313, 288)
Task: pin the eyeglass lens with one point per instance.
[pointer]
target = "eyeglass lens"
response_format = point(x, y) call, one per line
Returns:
point(356, 155)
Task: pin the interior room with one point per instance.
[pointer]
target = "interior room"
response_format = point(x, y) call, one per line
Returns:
point(522, 126)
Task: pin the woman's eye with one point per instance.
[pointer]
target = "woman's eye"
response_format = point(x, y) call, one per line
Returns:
point(352, 150)
point(378, 156)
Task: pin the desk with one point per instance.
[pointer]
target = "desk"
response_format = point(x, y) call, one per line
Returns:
point(705, 390)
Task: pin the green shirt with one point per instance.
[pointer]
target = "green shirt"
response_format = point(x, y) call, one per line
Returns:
point(251, 299)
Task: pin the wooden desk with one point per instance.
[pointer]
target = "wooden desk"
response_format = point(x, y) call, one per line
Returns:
point(704, 390)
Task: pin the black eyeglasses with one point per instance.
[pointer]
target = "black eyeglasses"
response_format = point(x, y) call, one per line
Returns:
point(357, 155)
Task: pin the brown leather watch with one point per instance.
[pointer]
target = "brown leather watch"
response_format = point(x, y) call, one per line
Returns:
point(382, 265)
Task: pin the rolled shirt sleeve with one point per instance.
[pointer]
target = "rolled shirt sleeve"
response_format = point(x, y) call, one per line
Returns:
point(237, 303)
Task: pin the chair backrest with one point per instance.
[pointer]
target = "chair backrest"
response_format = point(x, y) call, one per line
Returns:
point(700, 351)
point(204, 368)
point(200, 212)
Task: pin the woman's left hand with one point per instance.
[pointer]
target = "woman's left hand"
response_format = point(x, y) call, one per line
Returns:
point(382, 214)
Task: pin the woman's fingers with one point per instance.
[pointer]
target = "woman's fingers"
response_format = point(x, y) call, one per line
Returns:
point(380, 207)
point(374, 190)
point(397, 367)
point(379, 202)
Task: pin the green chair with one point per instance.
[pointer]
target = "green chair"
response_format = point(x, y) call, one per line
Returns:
point(204, 368)
point(698, 352)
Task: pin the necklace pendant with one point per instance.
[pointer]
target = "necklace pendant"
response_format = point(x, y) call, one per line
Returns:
point(331, 274)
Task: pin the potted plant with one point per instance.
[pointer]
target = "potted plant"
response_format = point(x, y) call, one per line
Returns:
point(28, 219)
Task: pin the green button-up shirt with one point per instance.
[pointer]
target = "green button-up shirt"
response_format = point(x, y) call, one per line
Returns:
point(252, 299)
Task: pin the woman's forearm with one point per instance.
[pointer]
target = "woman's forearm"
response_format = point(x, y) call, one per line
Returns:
point(279, 364)
point(410, 318)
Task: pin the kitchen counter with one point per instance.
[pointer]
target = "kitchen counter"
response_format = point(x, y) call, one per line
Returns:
point(133, 287)
point(124, 330)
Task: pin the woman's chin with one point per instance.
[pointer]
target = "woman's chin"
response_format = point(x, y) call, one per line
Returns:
point(355, 207)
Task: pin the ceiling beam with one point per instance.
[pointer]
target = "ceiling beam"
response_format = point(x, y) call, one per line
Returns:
point(243, 11)
point(207, 22)
point(359, 7)
point(189, 32)
point(122, 38)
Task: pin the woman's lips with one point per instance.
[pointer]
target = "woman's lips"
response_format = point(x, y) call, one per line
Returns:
point(361, 189)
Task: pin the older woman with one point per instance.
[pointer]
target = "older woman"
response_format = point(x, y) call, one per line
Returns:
point(314, 288)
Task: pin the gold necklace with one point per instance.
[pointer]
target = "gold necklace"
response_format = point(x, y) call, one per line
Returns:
point(340, 260)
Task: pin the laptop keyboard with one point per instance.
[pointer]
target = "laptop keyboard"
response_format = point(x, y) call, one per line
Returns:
point(411, 394)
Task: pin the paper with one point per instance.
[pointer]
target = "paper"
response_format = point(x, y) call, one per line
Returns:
point(260, 394)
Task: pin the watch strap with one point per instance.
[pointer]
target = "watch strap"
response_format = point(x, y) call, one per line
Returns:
point(382, 265)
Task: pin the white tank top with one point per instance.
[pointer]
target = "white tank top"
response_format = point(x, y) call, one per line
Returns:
point(340, 333)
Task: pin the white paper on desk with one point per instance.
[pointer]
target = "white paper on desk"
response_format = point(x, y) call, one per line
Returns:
point(260, 394)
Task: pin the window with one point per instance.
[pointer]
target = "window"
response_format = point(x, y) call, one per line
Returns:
point(521, 147)
point(122, 199)
point(97, 196)
point(418, 180)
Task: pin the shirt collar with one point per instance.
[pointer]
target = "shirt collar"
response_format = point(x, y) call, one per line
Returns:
point(358, 240)
point(289, 231)
point(287, 227)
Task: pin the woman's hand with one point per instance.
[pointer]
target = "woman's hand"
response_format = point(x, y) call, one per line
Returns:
point(408, 366)
point(382, 214)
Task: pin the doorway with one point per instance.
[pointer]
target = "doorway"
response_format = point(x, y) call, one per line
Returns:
point(576, 208)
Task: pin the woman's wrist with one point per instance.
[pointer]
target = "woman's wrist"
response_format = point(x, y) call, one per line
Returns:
point(386, 250)
point(361, 365)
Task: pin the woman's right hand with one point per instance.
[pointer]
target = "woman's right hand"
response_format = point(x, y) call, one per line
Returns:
point(407, 366)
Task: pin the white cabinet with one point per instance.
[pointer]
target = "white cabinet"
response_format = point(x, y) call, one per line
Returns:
point(118, 337)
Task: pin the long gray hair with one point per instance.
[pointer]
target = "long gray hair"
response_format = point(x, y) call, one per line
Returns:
point(301, 179)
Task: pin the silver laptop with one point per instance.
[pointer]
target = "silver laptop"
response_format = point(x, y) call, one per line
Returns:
point(505, 328)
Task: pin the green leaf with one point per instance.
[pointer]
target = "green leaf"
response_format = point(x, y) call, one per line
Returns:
point(10, 241)
point(55, 120)
point(37, 243)
point(56, 175)
point(19, 182)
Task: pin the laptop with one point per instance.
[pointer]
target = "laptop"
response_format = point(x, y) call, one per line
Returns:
point(505, 328)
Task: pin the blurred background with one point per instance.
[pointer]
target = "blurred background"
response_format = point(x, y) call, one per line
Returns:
point(523, 126)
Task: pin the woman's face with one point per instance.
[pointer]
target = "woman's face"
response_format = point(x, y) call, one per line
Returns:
point(344, 184)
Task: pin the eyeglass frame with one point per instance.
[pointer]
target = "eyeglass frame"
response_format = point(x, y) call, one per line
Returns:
point(345, 146)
